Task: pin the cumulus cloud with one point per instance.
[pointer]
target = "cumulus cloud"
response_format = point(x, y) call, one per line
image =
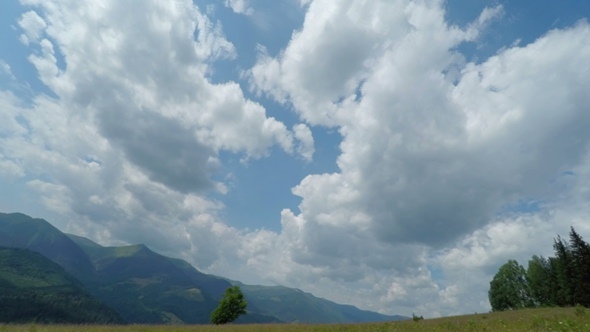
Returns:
point(162, 112)
point(428, 157)
point(437, 154)
point(429, 161)
point(133, 133)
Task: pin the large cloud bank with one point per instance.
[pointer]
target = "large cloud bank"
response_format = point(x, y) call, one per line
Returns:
point(447, 167)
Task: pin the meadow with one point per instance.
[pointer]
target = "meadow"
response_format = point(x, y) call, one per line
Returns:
point(544, 319)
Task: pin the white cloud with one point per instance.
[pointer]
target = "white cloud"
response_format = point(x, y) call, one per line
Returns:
point(33, 26)
point(436, 153)
point(485, 18)
point(5, 70)
point(240, 6)
point(128, 144)
point(305, 146)
point(431, 161)
point(163, 113)
point(329, 29)
point(9, 168)
point(429, 156)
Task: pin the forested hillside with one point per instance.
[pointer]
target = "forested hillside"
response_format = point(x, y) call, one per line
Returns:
point(35, 289)
point(145, 287)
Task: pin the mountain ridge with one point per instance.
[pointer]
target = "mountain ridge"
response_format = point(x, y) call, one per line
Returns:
point(34, 288)
point(149, 288)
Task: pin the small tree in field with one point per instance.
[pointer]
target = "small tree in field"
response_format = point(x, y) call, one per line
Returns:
point(231, 306)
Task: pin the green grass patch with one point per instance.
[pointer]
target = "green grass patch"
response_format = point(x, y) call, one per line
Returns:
point(538, 320)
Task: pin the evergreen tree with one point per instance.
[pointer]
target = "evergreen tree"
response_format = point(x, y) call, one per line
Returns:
point(580, 254)
point(541, 281)
point(563, 280)
point(563, 266)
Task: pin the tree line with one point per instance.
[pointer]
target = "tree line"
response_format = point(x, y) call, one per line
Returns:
point(562, 280)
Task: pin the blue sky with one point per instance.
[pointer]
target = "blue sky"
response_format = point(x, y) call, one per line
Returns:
point(386, 154)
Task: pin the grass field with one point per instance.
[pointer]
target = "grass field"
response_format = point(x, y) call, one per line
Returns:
point(546, 319)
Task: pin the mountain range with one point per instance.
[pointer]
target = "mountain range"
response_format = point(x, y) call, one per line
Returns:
point(33, 288)
point(144, 287)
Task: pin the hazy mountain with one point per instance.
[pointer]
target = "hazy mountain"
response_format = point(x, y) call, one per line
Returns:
point(35, 289)
point(21, 231)
point(293, 305)
point(144, 287)
point(148, 288)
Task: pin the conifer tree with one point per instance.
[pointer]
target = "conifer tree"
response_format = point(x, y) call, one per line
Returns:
point(580, 253)
point(563, 266)
point(541, 281)
point(563, 280)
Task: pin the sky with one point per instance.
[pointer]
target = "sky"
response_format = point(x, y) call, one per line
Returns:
point(387, 154)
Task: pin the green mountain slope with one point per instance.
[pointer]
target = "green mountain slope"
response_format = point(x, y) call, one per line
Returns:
point(146, 287)
point(21, 231)
point(142, 286)
point(295, 306)
point(149, 288)
point(35, 289)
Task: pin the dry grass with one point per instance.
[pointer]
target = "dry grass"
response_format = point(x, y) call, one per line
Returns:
point(546, 319)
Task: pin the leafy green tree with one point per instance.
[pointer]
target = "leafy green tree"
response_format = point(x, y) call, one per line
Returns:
point(509, 289)
point(231, 306)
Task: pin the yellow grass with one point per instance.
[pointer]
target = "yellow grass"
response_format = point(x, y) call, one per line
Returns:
point(546, 319)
